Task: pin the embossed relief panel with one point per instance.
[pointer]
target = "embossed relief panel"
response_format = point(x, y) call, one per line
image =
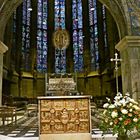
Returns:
point(64, 116)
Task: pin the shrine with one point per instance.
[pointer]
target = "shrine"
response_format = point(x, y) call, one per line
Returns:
point(61, 84)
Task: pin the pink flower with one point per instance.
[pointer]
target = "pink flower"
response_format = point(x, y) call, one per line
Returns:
point(127, 121)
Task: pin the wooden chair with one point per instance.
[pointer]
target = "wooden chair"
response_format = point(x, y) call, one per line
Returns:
point(8, 114)
point(32, 109)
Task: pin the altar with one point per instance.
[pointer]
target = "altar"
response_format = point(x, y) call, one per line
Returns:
point(64, 117)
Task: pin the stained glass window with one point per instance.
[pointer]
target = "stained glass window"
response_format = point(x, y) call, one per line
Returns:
point(93, 35)
point(26, 35)
point(105, 34)
point(60, 54)
point(59, 24)
point(42, 46)
point(77, 35)
point(13, 53)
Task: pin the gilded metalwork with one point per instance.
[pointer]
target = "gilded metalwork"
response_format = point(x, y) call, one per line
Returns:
point(64, 116)
point(61, 39)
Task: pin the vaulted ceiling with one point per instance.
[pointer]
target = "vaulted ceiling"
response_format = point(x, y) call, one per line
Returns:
point(115, 7)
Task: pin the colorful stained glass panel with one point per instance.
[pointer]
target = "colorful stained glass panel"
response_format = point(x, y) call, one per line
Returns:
point(77, 35)
point(60, 54)
point(42, 45)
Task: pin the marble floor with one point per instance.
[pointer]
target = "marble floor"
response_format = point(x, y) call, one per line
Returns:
point(26, 128)
point(2, 137)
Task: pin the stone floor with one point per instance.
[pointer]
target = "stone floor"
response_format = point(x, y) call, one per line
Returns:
point(26, 128)
point(2, 137)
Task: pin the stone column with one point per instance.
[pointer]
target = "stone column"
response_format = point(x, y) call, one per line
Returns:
point(69, 27)
point(86, 39)
point(129, 48)
point(51, 49)
point(3, 49)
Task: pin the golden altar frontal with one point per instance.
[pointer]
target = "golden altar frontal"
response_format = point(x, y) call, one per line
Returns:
point(64, 117)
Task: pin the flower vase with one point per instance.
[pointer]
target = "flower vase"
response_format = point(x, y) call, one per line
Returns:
point(122, 137)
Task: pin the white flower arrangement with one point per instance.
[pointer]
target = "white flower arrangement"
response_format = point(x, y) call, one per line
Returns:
point(121, 116)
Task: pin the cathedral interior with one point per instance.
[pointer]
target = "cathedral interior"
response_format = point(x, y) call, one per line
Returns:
point(32, 52)
point(72, 41)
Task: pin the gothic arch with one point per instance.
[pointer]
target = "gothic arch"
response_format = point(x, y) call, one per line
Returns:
point(117, 11)
point(7, 7)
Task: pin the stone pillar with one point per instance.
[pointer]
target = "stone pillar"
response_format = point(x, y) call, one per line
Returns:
point(86, 39)
point(129, 48)
point(69, 27)
point(3, 49)
point(51, 49)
